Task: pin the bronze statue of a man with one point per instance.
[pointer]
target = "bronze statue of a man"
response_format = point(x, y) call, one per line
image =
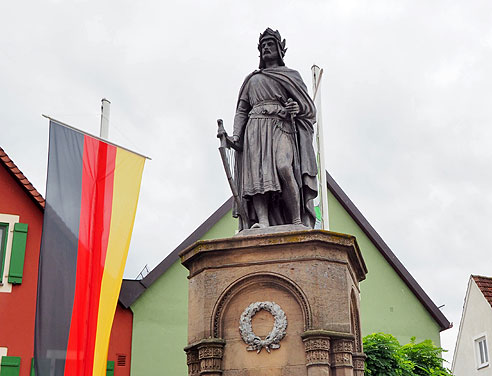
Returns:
point(276, 170)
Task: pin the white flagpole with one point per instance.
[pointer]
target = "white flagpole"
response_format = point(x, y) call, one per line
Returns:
point(323, 189)
point(104, 130)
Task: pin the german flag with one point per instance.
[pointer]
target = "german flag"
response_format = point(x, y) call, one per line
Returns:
point(91, 200)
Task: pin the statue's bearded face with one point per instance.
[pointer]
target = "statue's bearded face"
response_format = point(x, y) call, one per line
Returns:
point(269, 50)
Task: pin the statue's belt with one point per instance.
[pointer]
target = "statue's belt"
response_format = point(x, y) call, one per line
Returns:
point(267, 110)
point(270, 110)
point(268, 102)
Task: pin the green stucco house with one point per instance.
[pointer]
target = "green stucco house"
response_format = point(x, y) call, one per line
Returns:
point(391, 300)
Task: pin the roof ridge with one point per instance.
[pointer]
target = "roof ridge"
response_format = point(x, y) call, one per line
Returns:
point(481, 277)
point(21, 179)
point(484, 284)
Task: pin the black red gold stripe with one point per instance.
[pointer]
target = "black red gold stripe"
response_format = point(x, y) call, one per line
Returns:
point(80, 276)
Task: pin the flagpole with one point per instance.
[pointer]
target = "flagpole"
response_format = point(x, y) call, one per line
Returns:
point(104, 130)
point(96, 137)
point(317, 75)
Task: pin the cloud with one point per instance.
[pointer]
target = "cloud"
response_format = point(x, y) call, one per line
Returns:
point(406, 98)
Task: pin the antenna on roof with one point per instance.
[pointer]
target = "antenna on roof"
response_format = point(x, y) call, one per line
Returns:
point(145, 271)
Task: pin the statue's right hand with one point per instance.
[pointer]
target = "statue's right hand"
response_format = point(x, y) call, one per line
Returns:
point(235, 139)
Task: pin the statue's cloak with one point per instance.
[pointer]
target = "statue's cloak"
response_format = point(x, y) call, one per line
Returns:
point(305, 167)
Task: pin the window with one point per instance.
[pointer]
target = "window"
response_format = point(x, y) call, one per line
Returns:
point(13, 238)
point(481, 351)
point(4, 228)
point(121, 360)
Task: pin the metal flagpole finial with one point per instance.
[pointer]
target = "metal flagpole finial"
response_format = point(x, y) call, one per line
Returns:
point(104, 130)
point(317, 74)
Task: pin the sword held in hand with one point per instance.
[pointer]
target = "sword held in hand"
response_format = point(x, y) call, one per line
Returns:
point(227, 142)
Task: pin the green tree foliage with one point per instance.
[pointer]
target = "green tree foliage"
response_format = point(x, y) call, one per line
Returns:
point(386, 357)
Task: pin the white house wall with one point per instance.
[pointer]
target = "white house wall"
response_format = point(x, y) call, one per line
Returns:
point(476, 320)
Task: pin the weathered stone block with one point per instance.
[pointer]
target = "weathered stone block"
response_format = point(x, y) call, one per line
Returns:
point(312, 277)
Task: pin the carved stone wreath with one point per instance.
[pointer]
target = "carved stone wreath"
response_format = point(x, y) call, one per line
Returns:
point(276, 335)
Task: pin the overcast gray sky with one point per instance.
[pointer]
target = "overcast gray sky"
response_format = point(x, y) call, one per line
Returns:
point(407, 110)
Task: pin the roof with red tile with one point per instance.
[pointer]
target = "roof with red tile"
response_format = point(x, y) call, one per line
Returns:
point(21, 179)
point(485, 286)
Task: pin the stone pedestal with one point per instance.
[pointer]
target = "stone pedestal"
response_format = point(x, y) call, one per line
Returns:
point(279, 304)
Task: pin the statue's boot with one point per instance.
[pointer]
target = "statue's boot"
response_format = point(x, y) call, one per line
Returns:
point(261, 208)
point(259, 225)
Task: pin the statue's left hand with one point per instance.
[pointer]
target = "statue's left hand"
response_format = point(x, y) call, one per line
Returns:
point(292, 107)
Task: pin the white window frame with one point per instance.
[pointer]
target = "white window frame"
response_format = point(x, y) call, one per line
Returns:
point(476, 346)
point(11, 220)
point(3, 352)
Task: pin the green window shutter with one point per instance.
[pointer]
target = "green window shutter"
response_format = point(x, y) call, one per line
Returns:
point(10, 366)
point(18, 253)
point(33, 373)
point(109, 368)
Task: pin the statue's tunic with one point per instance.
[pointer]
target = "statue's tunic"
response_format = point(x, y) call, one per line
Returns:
point(261, 121)
point(266, 124)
